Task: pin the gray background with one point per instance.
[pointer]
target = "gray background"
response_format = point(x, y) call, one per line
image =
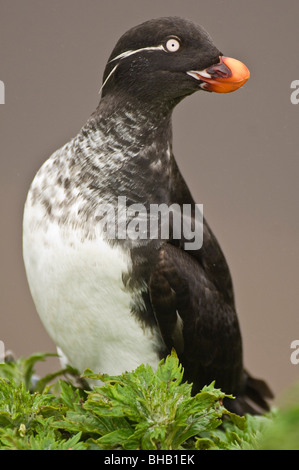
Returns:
point(238, 152)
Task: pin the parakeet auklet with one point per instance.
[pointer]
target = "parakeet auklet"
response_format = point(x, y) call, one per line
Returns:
point(110, 302)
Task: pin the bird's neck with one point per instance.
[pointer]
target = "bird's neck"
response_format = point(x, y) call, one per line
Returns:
point(132, 149)
point(127, 119)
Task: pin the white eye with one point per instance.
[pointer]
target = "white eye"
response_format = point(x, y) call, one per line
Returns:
point(173, 45)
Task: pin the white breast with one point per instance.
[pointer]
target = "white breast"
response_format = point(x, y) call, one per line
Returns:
point(77, 288)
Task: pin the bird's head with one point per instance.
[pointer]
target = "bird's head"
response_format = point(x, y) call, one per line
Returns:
point(165, 59)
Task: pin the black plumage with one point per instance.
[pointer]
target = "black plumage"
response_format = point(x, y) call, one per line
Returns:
point(195, 286)
point(125, 149)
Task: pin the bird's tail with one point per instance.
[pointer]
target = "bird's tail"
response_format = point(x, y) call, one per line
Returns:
point(253, 399)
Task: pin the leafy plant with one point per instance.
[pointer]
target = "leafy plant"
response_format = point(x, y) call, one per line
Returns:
point(139, 410)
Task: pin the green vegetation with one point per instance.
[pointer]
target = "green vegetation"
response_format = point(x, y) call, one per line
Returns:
point(142, 409)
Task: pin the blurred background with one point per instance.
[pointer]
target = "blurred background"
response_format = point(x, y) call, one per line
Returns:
point(238, 152)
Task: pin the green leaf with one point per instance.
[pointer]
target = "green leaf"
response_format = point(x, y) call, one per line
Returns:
point(69, 395)
point(142, 409)
point(22, 370)
point(115, 439)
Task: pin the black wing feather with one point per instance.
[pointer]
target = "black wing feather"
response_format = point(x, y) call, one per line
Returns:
point(195, 320)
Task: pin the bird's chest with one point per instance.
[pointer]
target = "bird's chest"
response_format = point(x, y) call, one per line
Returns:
point(77, 286)
point(75, 276)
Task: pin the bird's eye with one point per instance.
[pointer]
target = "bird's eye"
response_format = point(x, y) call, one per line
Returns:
point(173, 45)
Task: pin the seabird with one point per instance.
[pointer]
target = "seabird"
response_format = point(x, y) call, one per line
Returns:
point(111, 300)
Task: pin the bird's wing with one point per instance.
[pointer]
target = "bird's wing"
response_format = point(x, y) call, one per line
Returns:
point(191, 295)
point(194, 319)
point(209, 255)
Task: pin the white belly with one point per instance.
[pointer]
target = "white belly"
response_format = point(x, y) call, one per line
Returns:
point(78, 292)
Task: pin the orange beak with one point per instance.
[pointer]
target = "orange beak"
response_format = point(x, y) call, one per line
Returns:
point(226, 76)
